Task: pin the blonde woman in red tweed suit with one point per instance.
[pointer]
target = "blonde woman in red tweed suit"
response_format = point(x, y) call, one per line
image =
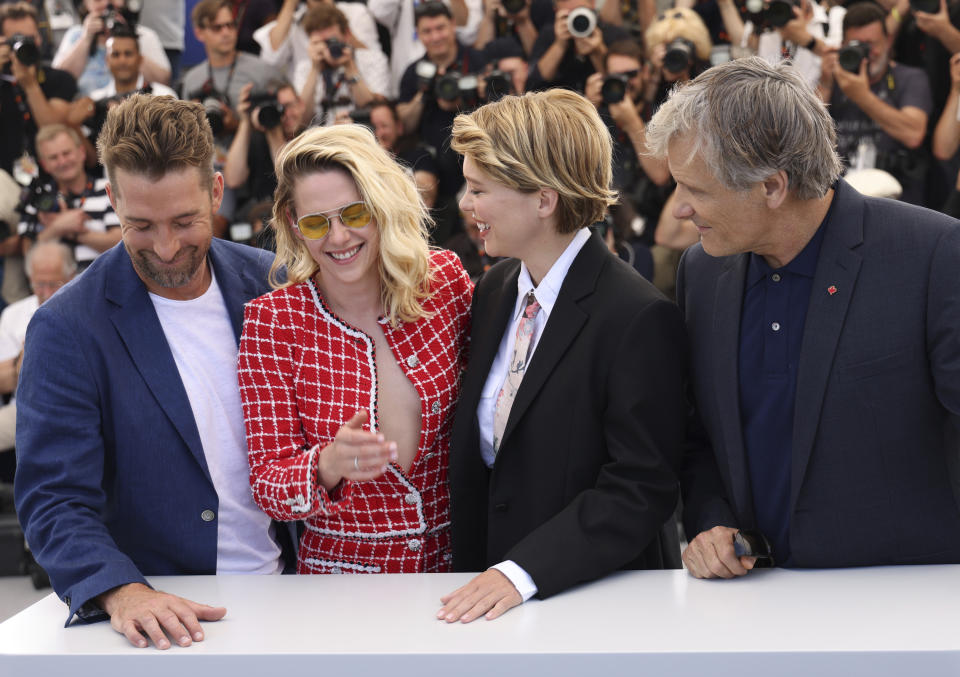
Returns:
point(350, 371)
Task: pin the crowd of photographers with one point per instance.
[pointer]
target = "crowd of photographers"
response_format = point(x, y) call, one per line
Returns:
point(889, 71)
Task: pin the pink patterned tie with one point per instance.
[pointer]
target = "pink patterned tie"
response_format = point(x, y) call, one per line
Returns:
point(518, 365)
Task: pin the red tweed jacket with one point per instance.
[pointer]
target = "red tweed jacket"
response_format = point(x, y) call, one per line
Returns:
point(303, 373)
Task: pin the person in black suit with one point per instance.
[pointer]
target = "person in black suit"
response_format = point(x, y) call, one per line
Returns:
point(567, 470)
point(825, 338)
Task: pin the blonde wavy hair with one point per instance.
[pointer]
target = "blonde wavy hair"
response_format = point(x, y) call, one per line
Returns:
point(389, 192)
point(553, 139)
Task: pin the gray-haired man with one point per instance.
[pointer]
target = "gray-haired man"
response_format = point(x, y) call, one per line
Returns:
point(825, 338)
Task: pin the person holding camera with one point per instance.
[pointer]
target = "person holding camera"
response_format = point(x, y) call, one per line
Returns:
point(507, 69)
point(678, 47)
point(569, 51)
point(72, 205)
point(83, 50)
point(283, 41)
point(32, 96)
point(881, 108)
point(504, 19)
point(437, 86)
point(340, 74)
point(267, 123)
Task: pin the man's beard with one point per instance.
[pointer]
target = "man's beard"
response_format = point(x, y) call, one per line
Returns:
point(188, 261)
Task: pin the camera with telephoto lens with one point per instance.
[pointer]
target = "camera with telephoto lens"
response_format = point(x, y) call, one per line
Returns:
point(513, 6)
point(581, 22)
point(852, 54)
point(24, 48)
point(110, 19)
point(268, 110)
point(779, 12)
point(361, 116)
point(614, 88)
point(498, 85)
point(211, 101)
point(335, 47)
point(452, 85)
point(679, 56)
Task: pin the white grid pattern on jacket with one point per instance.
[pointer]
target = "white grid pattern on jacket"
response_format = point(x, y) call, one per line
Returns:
point(303, 373)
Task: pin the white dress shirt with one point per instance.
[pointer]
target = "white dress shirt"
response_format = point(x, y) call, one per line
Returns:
point(546, 294)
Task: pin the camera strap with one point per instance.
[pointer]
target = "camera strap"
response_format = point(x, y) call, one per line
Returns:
point(225, 92)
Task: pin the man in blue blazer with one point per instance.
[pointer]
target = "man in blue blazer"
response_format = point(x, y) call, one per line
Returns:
point(825, 339)
point(131, 453)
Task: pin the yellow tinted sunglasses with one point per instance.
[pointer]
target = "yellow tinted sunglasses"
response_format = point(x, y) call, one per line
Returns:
point(316, 226)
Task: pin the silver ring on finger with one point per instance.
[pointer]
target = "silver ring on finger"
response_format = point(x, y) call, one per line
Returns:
point(356, 463)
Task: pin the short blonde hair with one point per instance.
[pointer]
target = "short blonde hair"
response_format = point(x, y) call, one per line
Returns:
point(679, 22)
point(553, 139)
point(52, 131)
point(390, 194)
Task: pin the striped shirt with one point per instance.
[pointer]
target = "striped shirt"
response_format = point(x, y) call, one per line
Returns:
point(42, 195)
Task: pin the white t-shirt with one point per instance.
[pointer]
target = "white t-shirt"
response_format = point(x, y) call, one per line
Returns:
point(205, 348)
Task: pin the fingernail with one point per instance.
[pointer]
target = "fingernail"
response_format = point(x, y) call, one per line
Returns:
point(198, 636)
point(184, 641)
point(142, 644)
point(163, 644)
point(380, 438)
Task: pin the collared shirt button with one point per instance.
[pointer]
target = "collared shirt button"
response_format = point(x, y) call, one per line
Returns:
point(435, 407)
point(775, 277)
point(410, 498)
point(412, 361)
point(413, 545)
point(775, 326)
point(207, 515)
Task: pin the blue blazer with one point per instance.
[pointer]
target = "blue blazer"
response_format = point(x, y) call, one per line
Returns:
point(111, 477)
point(877, 417)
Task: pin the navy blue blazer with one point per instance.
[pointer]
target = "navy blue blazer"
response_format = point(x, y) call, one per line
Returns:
point(111, 477)
point(877, 418)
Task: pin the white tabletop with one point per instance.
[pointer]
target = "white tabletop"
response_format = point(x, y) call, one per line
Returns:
point(872, 621)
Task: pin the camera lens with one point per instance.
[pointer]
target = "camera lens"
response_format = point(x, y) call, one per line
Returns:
point(851, 55)
point(211, 107)
point(581, 22)
point(499, 85)
point(335, 47)
point(448, 87)
point(679, 56)
point(779, 13)
point(25, 49)
point(269, 115)
point(614, 88)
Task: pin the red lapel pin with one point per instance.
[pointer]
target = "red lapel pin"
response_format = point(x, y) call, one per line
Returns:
point(832, 289)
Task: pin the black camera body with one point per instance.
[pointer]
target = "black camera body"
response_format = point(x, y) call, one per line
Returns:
point(24, 48)
point(928, 6)
point(779, 12)
point(614, 88)
point(852, 54)
point(46, 198)
point(513, 6)
point(498, 85)
point(335, 47)
point(211, 101)
point(680, 55)
point(452, 86)
point(270, 113)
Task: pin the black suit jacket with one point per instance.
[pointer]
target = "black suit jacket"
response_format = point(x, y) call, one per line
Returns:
point(585, 478)
point(877, 414)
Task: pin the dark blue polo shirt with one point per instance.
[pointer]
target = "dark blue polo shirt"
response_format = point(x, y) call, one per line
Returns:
point(771, 330)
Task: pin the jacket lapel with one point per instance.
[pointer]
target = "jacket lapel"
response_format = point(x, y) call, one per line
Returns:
point(236, 285)
point(566, 320)
point(837, 269)
point(728, 300)
point(139, 328)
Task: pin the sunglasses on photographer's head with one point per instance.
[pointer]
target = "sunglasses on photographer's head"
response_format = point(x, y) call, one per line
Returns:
point(316, 226)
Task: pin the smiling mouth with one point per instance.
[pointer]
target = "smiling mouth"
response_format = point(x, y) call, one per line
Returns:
point(483, 227)
point(345, 255)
